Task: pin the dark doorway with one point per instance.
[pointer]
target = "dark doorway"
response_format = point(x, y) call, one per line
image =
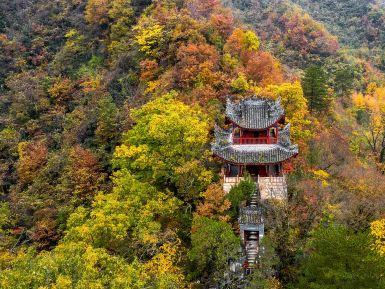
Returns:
point(232, 170)
point(255, 171)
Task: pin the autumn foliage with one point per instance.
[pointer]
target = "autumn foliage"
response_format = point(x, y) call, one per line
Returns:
point(107, 110)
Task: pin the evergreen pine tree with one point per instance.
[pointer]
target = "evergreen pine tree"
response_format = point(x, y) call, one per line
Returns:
point(315, 89)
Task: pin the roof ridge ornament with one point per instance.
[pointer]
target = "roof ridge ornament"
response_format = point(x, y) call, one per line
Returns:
point(254, 112)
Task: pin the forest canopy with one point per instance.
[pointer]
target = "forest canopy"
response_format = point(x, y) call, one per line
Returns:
point(107, 112)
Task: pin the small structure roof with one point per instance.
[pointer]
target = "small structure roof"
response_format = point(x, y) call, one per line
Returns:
point(254, 113)
point(255, 154)
point(250, 215)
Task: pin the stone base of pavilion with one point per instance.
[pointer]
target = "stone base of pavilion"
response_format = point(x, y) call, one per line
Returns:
point(269, 187)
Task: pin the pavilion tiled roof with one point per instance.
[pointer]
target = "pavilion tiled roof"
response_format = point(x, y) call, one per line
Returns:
point(224, 148)
point(251, 216)
point(254, 113)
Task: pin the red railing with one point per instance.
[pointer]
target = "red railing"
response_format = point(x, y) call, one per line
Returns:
point(255, 140)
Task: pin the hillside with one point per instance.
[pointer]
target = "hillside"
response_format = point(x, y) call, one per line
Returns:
point(357, 24)
point(108, 113)
point(338, 35)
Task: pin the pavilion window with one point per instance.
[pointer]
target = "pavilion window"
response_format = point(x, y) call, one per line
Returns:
point(233, 171)
point(273, 132)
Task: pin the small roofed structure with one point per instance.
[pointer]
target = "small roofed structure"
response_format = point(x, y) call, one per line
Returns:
point(251, 225)
point(257, 143)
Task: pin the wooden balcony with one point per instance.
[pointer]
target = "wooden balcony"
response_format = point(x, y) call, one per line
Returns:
point(254, 140)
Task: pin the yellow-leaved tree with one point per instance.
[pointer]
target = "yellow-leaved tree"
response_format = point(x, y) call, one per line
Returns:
point(377, 230)
point(296, 109)
point(369, 110)
point(120, 242)
point(167, 147)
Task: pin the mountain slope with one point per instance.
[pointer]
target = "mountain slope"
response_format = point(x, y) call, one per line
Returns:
point(356, 23)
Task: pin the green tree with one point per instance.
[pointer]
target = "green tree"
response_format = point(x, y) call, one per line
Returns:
point(130, 217)
point(167, 146)
point(240, 193)
point(315, 89)
point(212, 244)
point(344, 80)
point(106, 130)
point(340, 259)
point(121, 13)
